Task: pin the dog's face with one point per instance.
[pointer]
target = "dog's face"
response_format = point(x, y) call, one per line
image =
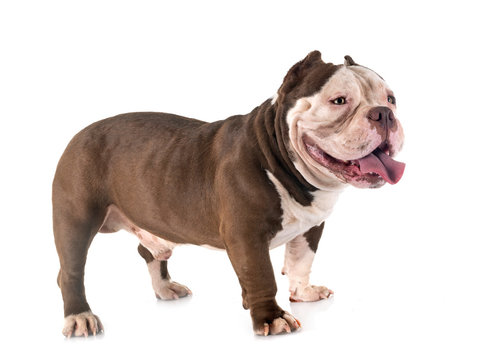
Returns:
point(342, 124)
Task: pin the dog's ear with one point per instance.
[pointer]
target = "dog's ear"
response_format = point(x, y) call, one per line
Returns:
point(298, 71)
point(349, 61)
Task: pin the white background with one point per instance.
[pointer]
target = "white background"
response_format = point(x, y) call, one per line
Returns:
point(402, 260)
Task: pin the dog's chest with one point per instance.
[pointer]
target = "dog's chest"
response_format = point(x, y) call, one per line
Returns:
point(298, 219)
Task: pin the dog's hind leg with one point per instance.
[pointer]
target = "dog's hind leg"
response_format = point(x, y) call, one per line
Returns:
point(74, 230)
point(164, 288)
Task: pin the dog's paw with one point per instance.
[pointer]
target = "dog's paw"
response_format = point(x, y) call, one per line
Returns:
point(170, 290)
point(83, 324)
point(310, 293)
point(281, 325)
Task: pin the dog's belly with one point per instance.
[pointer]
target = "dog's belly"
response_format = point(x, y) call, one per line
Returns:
point(161, 249)
point(296, 220)
point(115, 220)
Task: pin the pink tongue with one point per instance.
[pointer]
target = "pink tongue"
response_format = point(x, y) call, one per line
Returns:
point(380, 163)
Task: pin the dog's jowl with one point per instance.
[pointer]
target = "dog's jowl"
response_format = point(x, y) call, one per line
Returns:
point(245, 184)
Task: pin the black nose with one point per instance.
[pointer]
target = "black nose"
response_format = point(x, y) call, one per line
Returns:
point(383, 115)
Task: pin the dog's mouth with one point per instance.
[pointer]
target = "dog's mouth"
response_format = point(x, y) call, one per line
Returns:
point(372, 168)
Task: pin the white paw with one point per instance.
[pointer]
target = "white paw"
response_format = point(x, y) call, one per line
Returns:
point(310, 293)
point(170, 290)
point(82, 324)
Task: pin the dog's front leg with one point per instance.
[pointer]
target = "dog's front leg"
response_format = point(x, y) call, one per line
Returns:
point(251, 261)
point(299, 255)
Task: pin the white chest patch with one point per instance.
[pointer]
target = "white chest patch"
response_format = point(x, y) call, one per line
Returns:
point(298, 219)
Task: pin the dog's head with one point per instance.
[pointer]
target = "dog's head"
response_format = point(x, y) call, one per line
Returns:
point(342, 124)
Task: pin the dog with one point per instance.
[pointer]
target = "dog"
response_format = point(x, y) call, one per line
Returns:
point(245, 184)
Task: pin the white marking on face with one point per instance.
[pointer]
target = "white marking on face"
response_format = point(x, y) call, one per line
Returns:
point(341, 131)
point(396, 140)
point(297, 219)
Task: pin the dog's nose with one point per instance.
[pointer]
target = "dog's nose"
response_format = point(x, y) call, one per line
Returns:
point(383, 115)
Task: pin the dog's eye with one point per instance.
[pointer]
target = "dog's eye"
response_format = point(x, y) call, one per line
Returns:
point(391, 99)
point(339, 101)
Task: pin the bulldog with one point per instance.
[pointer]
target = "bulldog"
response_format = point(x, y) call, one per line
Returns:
point(246, 184)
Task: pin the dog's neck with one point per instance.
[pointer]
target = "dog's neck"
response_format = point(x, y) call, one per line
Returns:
point(270, 129)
